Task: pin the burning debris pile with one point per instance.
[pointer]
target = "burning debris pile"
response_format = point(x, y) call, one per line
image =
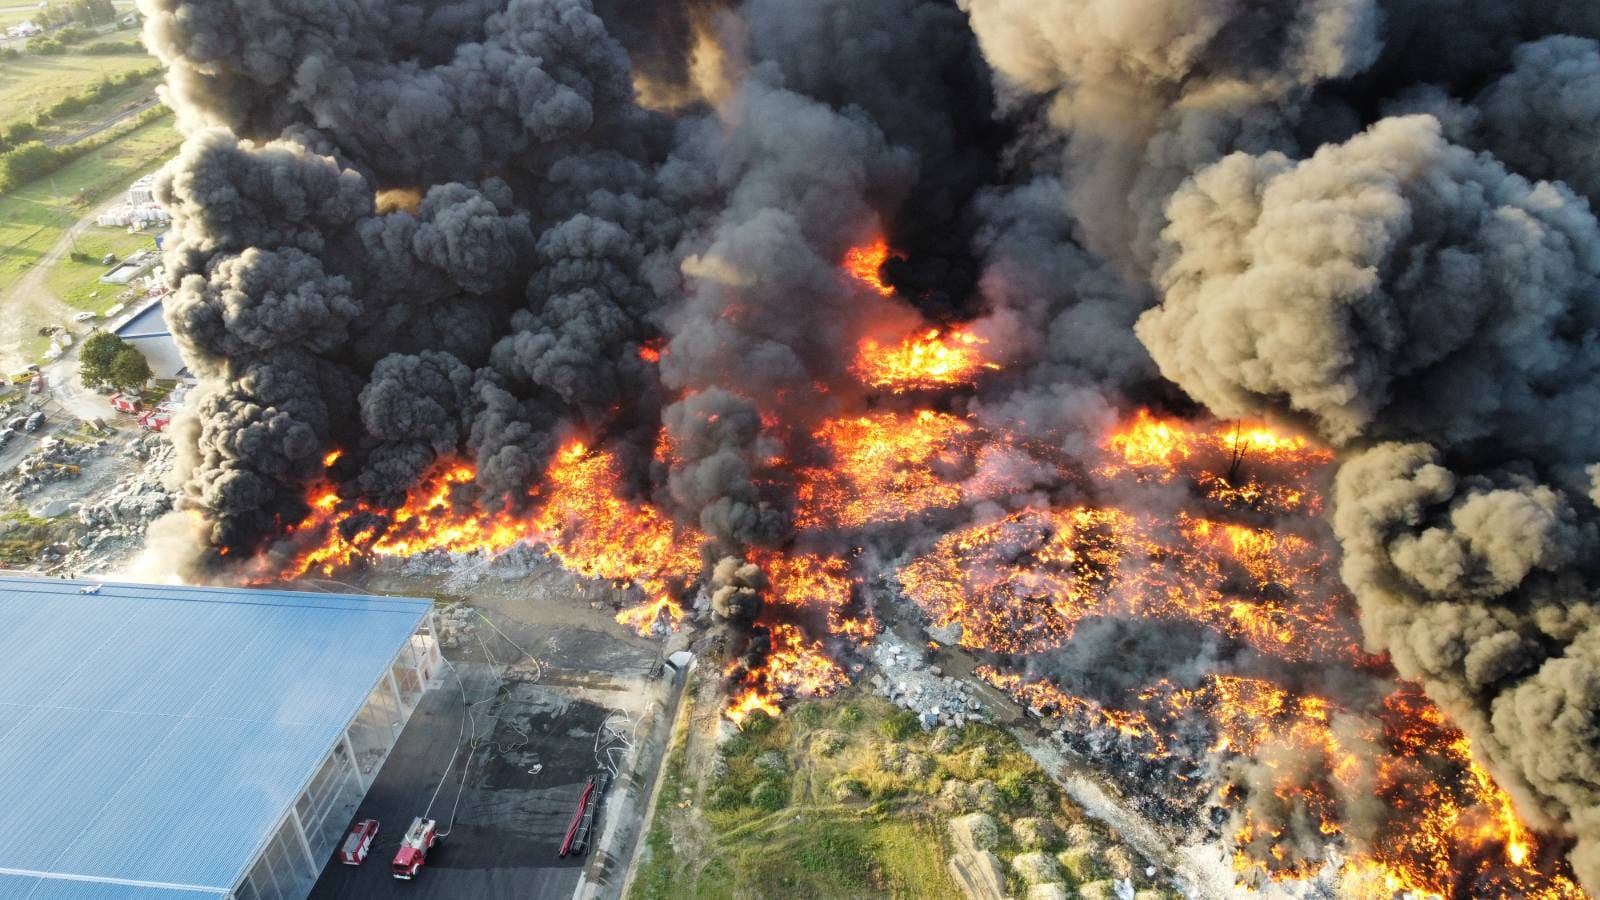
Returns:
point(780, 303)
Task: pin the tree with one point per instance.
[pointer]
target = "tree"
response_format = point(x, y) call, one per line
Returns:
point(97, 354)
point(129, 369)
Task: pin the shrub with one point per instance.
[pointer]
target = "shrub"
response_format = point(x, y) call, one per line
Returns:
point(20, 132)
point(71, 34)
point(10, 53)
point(735, 745)
point(114, 48)
point(66, 106)
point(47, 46)
point(725, 798)
point(770, 795)
point(27, 162)
point(900, 725)
point(758, 723)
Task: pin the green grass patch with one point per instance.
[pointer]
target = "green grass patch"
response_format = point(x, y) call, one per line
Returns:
point(24, 537)
point(32, 218)
point(77, 281)
point(33, 83)
point(657, 867)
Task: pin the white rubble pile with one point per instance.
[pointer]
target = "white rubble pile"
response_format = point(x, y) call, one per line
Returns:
point(118, 517)
point(909, 682)
point(54, 460)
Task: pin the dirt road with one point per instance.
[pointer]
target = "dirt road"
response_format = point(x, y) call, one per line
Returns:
point(28, 303)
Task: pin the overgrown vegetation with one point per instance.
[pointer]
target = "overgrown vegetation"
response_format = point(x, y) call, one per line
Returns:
point(34, 160)
point(849, 797)
point(16, 133)
point(23, 537)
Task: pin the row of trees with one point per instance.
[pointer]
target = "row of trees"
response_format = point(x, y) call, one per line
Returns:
point(108, 359)
point(84, 12)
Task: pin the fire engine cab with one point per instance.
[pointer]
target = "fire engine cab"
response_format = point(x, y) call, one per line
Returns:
point(356, 844)
point(419, 839)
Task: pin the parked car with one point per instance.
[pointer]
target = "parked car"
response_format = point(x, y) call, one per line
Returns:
point(17, 423)
point(83, 317)
point(108, 259)
point(34, 423)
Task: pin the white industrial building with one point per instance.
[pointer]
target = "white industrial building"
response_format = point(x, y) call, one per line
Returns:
point(179, 742)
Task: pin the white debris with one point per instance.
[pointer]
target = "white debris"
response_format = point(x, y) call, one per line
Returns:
point(910, 683)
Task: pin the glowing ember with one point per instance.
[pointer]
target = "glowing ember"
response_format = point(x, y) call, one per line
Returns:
point(1461, 818)
point(1219, 459)
point(807, 581)
point(1025, 582)
point(1237, 555)
point(792, 667)
point(865, 264)
point(927, 360)
point(431, 519)
point(885, 468)
point(649, 619)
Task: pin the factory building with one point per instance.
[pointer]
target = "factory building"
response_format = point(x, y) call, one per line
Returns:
point(182, 742)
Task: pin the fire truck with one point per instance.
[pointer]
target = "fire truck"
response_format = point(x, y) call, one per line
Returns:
point(419, 839)
point(125, 403)
point(356, 844)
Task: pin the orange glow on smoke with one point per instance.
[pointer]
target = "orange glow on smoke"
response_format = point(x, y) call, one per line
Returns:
point(865, 263)
point(927, 360)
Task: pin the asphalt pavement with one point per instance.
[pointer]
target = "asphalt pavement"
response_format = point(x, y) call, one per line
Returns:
point(536, 752)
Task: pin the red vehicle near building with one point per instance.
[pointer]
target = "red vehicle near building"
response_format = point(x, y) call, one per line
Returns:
point(156, 419)
point(419, 839)
point(356, 844)
point(127, 403)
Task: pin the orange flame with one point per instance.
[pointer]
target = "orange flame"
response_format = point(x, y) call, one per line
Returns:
point(884, 469)
point(793, 667)
point(927, 360)
point(865, 264)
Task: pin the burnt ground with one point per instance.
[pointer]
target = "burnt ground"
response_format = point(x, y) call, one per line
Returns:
point(531, 714)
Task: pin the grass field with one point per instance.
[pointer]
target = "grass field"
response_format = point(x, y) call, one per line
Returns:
point(12, 12)
point(34, 82)
point(78, 283)
point(33, 218)
point(70, 129)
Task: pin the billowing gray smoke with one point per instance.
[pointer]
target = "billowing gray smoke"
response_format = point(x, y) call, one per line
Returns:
point(1373, 218)
point(414, 230)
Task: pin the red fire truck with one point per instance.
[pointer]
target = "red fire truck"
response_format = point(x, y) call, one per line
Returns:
point(419, 839)
point(356, 844)
point(126, 403)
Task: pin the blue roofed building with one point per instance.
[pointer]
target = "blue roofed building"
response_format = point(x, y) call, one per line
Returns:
point(147, 330)
point(186, 742)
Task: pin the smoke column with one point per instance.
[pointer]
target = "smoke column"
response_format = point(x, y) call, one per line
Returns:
point(416, 230)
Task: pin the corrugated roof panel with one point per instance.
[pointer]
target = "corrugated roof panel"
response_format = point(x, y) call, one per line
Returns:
point(194, 715)
point(57, 769)
point(15, 887)
point(255, 785)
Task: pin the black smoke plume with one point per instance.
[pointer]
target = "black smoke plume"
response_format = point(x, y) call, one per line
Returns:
point(420, 229)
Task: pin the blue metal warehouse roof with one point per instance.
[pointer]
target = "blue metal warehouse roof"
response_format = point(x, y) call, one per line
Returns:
point(151, 737)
